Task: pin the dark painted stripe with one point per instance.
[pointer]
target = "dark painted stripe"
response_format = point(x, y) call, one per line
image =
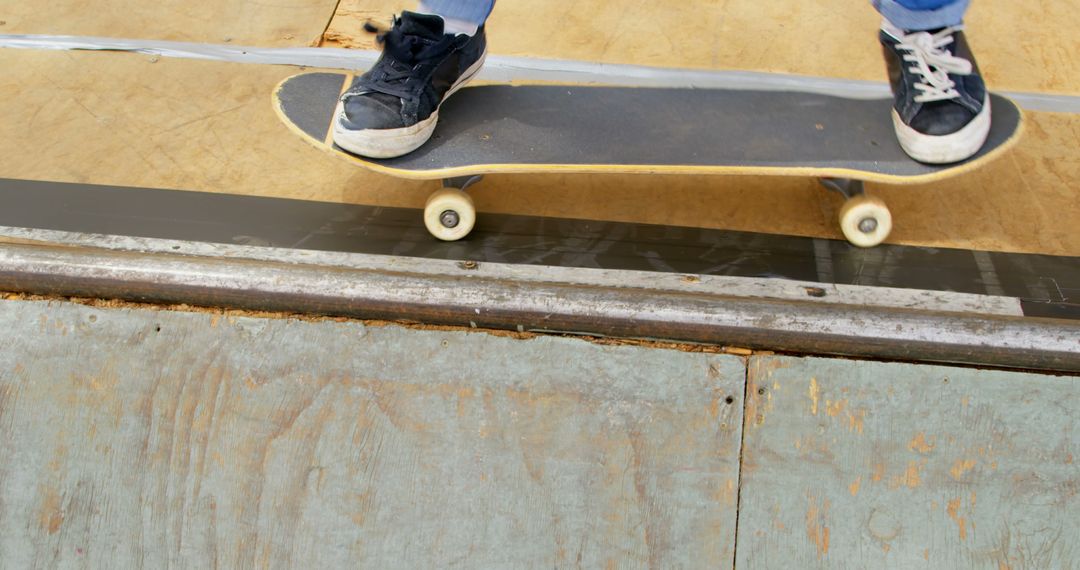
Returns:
point(1050, 285)
point(1051, 310)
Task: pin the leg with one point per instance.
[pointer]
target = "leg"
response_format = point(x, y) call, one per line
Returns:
point(393, 108)
point(941, 110)
point(463, 17)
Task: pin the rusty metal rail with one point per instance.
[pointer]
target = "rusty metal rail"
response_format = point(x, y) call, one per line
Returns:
point(471, 299)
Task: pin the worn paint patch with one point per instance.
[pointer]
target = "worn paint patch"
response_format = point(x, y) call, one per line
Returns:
point(919, 444)
point(777, 521)
point(51, 516)
point(815, 396)
point(953, 509)
point(856, 421)
point(726, 494)
point(833, 409)
point(464, 396)
point(878, 472)
point(817, 528)
point(961, 467)
point(759, 402)
point(855, 486)
point(910, 478)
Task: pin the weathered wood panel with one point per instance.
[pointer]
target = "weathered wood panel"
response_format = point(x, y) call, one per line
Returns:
point(281, 23)
point(132, 438)
point(873, 465)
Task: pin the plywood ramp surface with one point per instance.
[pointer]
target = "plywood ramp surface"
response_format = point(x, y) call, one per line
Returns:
point(243, 22)
point(875, 465)
point(131, 438)
point(1022, 46)
point(192, 125)
point(134, 120)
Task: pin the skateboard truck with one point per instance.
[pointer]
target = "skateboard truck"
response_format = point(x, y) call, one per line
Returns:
point(865, 220)
point(462, 182)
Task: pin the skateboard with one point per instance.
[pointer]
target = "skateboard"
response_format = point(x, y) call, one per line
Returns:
point(594, 129)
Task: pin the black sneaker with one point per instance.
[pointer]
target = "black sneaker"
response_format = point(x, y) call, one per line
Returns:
point(392, 109)
point(942, 109)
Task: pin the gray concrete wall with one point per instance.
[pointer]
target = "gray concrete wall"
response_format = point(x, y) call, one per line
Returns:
point(134, 438)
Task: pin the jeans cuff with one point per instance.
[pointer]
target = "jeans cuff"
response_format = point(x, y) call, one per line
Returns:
point(471, 11)
point(919, 20)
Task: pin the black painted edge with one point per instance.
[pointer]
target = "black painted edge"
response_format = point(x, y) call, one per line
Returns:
point(195, 216)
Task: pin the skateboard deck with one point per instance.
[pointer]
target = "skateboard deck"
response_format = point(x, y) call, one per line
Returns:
point(594, 129)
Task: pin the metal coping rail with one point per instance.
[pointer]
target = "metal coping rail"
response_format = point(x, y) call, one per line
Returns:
point(476, 301)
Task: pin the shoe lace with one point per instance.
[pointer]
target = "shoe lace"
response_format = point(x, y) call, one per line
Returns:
point(404, 55)
point(934, 64)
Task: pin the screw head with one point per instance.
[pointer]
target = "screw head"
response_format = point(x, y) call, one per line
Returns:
point(449, 219)
point(868, 225)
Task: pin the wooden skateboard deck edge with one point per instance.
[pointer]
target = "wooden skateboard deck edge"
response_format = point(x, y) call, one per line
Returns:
point(326, 144)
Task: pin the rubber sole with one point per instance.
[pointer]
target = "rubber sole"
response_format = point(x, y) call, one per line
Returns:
point(946, 149)
point(392, 143)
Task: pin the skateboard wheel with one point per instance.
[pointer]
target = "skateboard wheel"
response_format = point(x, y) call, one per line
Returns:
point(865, 220)
point(449, 214)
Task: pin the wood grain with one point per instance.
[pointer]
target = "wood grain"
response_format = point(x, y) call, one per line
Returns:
point(133, 438)
point(876, 465)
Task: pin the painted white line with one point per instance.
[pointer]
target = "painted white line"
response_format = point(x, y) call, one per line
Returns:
point(506, 69)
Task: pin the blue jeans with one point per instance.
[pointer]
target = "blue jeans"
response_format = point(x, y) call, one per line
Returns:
point(905, 14)
point(917, 15)
point(472, 11)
